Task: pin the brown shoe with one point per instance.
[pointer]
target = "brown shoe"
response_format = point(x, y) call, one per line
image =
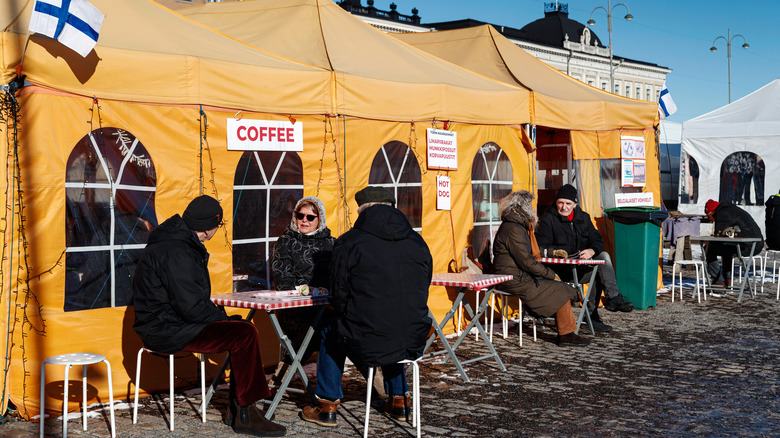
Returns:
point(248, 420)
point(572, 340)
point(324, 414)
point(727, 282)
point(399, 407)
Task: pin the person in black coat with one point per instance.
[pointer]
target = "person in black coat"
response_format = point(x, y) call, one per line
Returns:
point(380, 275)
point(772, 222)
point(174, 312)
point(729, 220)
point(567, 231)
point(302, 256)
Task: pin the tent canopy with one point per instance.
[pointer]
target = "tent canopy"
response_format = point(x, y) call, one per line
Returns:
point(747, 130)
point(559, 101)
point(136, 59)
point(376, 76)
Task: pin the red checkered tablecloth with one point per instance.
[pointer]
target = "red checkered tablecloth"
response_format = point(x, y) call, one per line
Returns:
point(267, 300)
point(557, 261)
point(471, 281)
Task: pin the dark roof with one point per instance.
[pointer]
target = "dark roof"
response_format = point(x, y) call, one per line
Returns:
point(553, 28)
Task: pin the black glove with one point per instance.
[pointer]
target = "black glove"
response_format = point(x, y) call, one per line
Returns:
point(235, 318)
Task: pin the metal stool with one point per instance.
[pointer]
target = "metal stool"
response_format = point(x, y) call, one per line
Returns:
point(170, 383)
point(774, 269)
point(69, 360)
point(504, 297)
point(697, 264)
point(415, 394)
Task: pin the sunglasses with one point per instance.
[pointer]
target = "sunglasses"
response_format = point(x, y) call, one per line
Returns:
point(309, 217)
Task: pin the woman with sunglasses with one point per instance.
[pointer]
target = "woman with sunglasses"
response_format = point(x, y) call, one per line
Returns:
point(302, 256)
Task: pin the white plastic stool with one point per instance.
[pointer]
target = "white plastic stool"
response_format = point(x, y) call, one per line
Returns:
point(415, 394)
point(170, 383)
point(774, 269)
point(697, 264)
point(753, 259)
point(69, 360)
point(504, 297)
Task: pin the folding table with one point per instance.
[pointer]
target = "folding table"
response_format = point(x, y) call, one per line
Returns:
point(464, 283)
point(270, 301)
point(580, 289)
point(732, 241)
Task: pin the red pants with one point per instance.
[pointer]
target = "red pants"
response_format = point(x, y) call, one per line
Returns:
point(241, 340)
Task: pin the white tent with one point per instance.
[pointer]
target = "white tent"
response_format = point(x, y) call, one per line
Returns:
point(735, 147)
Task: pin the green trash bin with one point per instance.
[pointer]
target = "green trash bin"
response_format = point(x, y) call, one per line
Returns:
point(637, 236)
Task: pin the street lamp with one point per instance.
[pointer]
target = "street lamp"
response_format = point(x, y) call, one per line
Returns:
point(728, 51)
point(591, 22)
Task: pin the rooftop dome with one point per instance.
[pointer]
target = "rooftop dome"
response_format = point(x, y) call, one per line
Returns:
point(556, 27)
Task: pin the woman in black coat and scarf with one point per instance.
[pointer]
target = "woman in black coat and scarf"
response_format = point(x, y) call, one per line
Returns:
point(302, 256)
point(516, 253)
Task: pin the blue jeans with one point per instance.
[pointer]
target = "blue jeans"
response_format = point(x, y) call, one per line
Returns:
point(330, 367)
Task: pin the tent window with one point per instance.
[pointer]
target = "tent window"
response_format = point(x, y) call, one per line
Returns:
point(109, 188)
point(689, 181)
point(738, 173)
point(491, 180)
point(265, 189)
point(607, 173)
point(395, 167)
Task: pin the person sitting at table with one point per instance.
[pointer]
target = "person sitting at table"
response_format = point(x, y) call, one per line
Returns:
point(302, 256)
point(729, 220)
point(516, 253)
point(380, 275)
point(567, 231)
point(174, 312)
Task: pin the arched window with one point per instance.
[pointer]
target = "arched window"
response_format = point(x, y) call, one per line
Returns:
point(265, 189)
point(491, 180)
point(110, 185)
point(689, 179)
point(396, 168)
point(738, 173)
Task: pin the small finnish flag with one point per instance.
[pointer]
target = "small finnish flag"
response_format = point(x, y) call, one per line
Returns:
point(74, 23)
point(665, 103)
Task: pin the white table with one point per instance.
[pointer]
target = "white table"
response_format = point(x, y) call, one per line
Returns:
point(584, 295)
point(732, 241)
point(464, 283)
point(271, 301)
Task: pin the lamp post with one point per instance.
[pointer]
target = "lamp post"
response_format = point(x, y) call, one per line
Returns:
point(591, 22)
point(728, 39)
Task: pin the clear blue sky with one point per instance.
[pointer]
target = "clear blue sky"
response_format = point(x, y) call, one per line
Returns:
point(672, 33)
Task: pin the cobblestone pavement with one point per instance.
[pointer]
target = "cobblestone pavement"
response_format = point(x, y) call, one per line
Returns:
point(677, 370)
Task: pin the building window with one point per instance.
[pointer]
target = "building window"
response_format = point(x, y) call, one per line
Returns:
point(395, 167)
point(266, 187)
point(604, 86)
point(628, 91)
point(491, 180)
point(110, 184)
point(638, 94)
point(649, 99)
point(617, 89)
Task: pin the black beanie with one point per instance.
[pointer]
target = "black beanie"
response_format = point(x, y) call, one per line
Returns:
point(374, 194)
point(567, 191)
point(203, 213)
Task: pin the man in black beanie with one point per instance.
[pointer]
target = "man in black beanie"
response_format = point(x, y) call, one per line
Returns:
point(380, 275)
point(174, 312)
point(567, 231)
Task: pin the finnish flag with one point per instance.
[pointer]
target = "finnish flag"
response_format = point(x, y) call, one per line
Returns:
point(665, 103)
point(75, 23)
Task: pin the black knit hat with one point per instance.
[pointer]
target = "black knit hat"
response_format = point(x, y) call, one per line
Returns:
point(374, 194)
point(203, 213)
point(567, 191)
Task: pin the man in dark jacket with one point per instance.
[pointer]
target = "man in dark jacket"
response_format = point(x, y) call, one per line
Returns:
point(380, 275)
point(772, 222)
point(567, 231)
point(729, 220)
point(174, 312)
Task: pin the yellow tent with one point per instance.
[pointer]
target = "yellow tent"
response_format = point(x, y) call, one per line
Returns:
point(100, 148)
point(597, 119)
point(376, 77)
